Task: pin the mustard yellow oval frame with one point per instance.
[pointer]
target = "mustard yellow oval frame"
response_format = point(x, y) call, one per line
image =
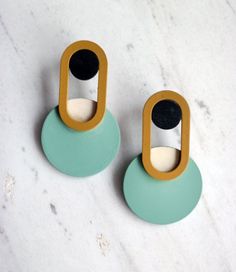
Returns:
point(185, 134)
point(102, 82)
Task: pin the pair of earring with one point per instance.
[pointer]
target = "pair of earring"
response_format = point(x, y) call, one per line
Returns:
point(80, 138)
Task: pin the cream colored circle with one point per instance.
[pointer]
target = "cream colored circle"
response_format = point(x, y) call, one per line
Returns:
point(81, 109)
point(165, 158)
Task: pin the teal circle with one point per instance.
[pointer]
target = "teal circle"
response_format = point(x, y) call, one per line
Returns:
point(161, 202)
point(80, 153)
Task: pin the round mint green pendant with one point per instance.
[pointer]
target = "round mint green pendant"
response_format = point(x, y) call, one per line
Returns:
point(80, 153)
point(161, 202)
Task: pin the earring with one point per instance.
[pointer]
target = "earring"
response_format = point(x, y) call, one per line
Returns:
point(79, 136)
point(163, 185)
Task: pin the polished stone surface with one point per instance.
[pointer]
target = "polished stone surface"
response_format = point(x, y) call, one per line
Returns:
point(50, 222)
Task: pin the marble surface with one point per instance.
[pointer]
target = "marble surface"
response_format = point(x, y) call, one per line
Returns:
point(52, 222)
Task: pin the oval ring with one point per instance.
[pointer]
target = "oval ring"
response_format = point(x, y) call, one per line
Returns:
point(102, 81)
point(146, 138)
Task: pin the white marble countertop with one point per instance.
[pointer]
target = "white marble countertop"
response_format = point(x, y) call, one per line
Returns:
point(51, 222)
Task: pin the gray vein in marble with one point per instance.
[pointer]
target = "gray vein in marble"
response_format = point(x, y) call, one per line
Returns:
point(200, 138)
point(230, 6)
point(6, 239)
point(172, 18)
point(127, 255)
point(53, 208)
point(132, 265)
point(32, 14)
point(8, 35)
point(35, 172)
point(201, 104)
point(67, 234)
point(163, 73)
point(152, 6)
point(129, 46)
point(210, 215)
point(215, 228)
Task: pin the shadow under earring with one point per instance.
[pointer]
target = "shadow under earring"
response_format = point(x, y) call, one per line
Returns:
point(163, 185)
point(80, 137)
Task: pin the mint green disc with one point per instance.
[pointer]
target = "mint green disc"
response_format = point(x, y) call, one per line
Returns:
point(161, 202)
point(80, 153)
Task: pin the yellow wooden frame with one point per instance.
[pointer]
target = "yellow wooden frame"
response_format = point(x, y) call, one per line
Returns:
point(185, 134)
point(102, 82)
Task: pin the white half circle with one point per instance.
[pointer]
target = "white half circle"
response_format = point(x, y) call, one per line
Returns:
point(165, 158)
point(81, 109)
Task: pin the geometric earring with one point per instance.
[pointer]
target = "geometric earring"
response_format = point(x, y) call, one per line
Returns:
point(80, 137)
point(163, 185)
